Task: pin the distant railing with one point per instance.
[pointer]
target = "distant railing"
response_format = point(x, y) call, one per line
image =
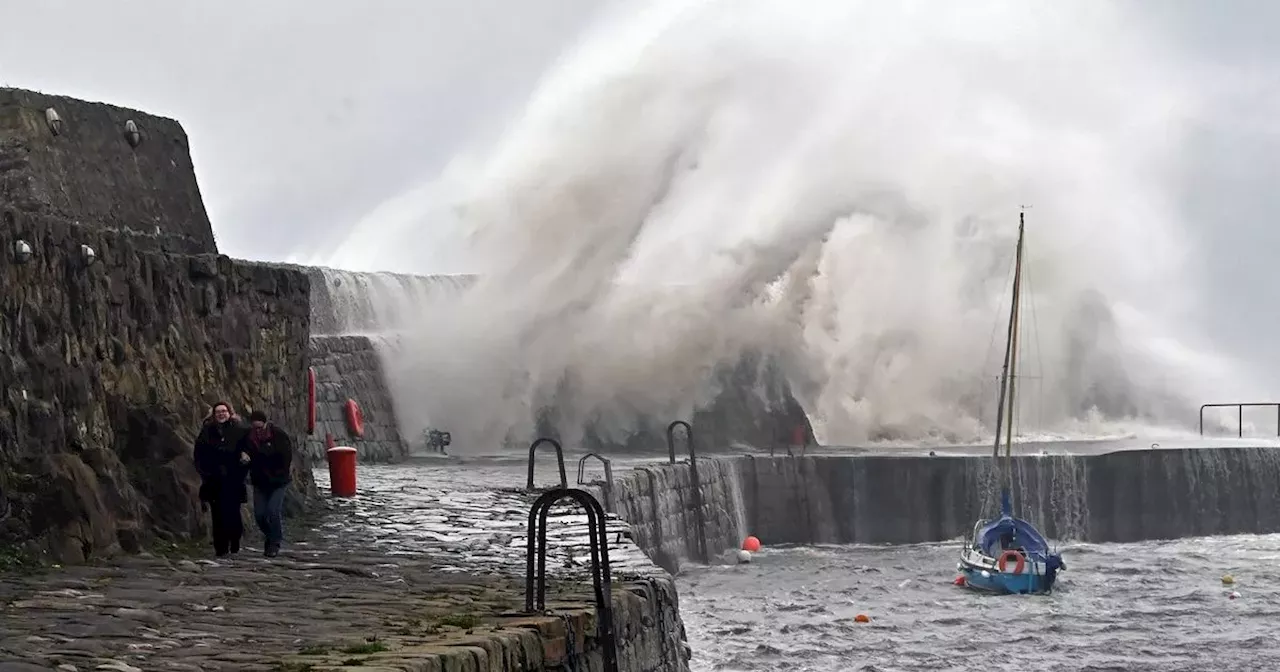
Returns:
point(696, 483)
point(1240, 414)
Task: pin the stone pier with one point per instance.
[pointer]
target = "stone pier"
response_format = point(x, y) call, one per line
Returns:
point(423, 572)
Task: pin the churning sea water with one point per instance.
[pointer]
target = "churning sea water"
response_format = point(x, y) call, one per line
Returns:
point(1158, 606)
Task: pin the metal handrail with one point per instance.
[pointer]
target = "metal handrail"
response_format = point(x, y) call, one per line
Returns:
point(671, 438)
point(535, 585)
point(697, 483)
point(1240, 414)
point(533, 450)
point(608, 468)
point(608, 477)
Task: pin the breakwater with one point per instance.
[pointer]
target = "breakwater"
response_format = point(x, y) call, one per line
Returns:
point(120, 324)
point(1123, 496)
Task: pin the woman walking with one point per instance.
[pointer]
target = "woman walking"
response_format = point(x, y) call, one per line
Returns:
point(223, 468)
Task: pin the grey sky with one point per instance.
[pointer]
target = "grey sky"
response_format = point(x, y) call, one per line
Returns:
point(304, 116)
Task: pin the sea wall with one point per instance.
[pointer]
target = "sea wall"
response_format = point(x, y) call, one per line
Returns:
point(348, 367)
point(89, 172)
point(350, 302)
point(659, 503)
point(754, 407)
point(119, 327)
point(1113, 497)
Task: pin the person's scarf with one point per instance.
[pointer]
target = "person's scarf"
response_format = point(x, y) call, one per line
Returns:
point(260, 435)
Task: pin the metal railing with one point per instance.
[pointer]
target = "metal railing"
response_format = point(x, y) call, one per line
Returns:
point(582, 468)
point(671, 439)
point(533, 450)
point(535, 584)
point(1240, 414)
point(697, 483)
point(607, 487)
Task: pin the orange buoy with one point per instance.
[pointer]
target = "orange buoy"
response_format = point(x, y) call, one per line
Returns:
point(751, 544)
point(355, 419)
point(960, 581)
point(311, 400)
point(862, 618)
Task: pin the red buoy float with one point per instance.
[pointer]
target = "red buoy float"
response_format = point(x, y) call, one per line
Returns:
point(355, 419)
point(311, 400)
point(1005, 557)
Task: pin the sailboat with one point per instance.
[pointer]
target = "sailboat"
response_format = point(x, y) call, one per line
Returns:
point(1008, 555)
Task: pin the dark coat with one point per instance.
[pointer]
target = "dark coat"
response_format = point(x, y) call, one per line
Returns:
point(269, 458)
point(217, 458)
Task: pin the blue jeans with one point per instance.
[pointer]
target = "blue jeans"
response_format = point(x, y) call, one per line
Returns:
point(268, 510)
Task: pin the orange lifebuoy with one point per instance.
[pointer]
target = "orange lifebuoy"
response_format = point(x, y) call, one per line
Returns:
point(355, 419)
point(311, 400)
point(1003, 563)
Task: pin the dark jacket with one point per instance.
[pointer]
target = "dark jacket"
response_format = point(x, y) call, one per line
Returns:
point(270, 457)
point(217, 458)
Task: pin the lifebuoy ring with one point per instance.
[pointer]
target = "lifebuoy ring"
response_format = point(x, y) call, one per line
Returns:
point(355, 419)
point(311, 400)
point(1003, 563)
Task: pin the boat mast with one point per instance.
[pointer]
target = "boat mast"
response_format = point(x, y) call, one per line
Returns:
point(1011, 406)
point(1006, 388)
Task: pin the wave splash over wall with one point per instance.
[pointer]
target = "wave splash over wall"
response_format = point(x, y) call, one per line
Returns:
point(837, 185)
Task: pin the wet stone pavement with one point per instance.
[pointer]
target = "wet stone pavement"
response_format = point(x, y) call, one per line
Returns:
point(424, 560)
point(470, 518)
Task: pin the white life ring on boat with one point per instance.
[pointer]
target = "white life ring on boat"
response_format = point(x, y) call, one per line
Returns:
point(1003, 562)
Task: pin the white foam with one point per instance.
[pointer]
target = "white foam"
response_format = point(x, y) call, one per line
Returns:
point(837, 183)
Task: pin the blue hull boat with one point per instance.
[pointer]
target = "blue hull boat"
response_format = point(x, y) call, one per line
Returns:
point(1008, 555)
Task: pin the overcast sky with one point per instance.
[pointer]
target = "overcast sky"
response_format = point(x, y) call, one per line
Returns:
point(306, 116)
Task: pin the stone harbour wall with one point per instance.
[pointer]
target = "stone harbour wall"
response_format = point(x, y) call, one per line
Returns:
point(90, 173)
point(1122, 496)
point(658, 502)
point(348, 367)
point(115, 338)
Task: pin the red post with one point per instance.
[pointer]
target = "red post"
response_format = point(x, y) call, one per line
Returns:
point(342, 471)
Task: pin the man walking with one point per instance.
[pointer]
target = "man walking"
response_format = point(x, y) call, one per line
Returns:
point(270, 456)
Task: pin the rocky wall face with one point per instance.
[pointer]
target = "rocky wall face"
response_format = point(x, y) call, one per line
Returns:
point(89, 172)
point(109, 368)
point(348, 367)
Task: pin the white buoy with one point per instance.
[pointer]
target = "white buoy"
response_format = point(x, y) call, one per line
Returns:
point(22, 251)
point(131, 134)
point(54, 121)
point(744, 557)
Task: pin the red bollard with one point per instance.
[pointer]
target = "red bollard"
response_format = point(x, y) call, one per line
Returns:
point(342, 471)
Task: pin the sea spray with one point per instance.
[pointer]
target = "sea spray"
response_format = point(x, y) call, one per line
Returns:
point(837, 185)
